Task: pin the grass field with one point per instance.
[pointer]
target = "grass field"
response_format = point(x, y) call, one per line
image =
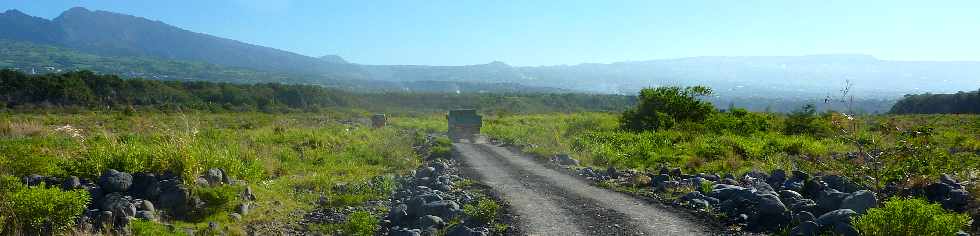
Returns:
point(290, 161)
point(941, 143)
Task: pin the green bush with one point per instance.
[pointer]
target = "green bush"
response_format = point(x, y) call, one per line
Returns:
point(737, 121)
point(217, 199)
point(901, 216)
point(659, 108)
point(360, 223)
point(39, 209)
point(805, 121)
point(484, 211)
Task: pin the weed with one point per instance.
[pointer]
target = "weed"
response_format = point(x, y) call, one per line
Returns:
point(901, 216)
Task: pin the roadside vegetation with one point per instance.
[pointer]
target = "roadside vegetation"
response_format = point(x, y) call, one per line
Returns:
point(292, 163)
point(671, 128)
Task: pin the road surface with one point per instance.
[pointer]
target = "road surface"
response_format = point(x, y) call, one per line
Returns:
point(548, 202)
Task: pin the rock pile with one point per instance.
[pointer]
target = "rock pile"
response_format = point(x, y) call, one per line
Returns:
point(117, 197)
point(428, 201)
point(808, 205)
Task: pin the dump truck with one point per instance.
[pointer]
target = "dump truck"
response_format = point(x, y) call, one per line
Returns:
point(464, 124)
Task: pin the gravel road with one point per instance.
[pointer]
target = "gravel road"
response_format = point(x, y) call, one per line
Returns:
point(548, 202)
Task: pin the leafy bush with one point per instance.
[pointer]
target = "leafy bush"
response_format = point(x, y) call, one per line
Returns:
point(484, 211)
point(805, 121)
point(360, 223)
point(737, 121)
point(902, 216)
point(659, 108)
point(39, 209)
point(218, 199)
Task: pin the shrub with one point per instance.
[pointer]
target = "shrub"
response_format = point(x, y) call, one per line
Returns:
point(659, 108)
point(902, 216)
point(484, 211)
point(805, 121)
point(217, 198)
point(40, 210)
point(737, 121)
point(360, 223)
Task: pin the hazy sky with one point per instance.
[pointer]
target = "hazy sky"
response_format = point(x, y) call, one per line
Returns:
point(530, 32)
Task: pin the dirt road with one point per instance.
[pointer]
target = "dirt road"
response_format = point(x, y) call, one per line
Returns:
point(548, 202)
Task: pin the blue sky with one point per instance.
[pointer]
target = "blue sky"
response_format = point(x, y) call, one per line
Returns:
point(528, 32)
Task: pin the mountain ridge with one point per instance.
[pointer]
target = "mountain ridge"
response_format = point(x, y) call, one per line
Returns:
point(105, 33)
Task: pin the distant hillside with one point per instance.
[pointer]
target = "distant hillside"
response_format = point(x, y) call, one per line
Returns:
point(789, 79)
point(87, 90)
point(958, 103)
point(113, 34)
point(39, 58)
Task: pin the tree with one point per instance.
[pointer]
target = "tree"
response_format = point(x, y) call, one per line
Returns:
point(662, 107)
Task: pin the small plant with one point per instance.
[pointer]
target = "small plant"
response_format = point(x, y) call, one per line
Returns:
point(360, 223)
point(910, 216)
point(39, 209)
point(484, 211)
point(442, 148)
point(144, 227)
point(217, 199)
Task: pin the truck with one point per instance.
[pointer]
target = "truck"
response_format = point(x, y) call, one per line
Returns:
point(464, 124)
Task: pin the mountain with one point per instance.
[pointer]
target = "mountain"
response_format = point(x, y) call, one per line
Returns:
point(334, 59)
point(118, 42)
point(809, 76)
point(112, 34)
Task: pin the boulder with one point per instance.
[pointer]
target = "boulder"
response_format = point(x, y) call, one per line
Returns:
point(462, 230)
point(776, 178)
point(812, 188)
point(145, 215)
point(832, 218)
point(405, 232)
point(938, 191)
point(840, 183)
point(145, 205)
point(957, 200)
point(789, 197)
point(565, 159)
point(769, 205)
point(71, 182)
point(214, 176)
point(114, 181)
point(845, 229)
point(830, 199)
point(445, 209)
point(800, 176)
point(804, 216)
point(612, 172)
point(676, 172)
point(807, 228)
point(946, 179)
point(860, 201)
point(120, 205)
point(174, 197)
point(430, 221)
point(145, 186)
point(398, 213)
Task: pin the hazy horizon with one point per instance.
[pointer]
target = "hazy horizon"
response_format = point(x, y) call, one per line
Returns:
point(570, 33)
